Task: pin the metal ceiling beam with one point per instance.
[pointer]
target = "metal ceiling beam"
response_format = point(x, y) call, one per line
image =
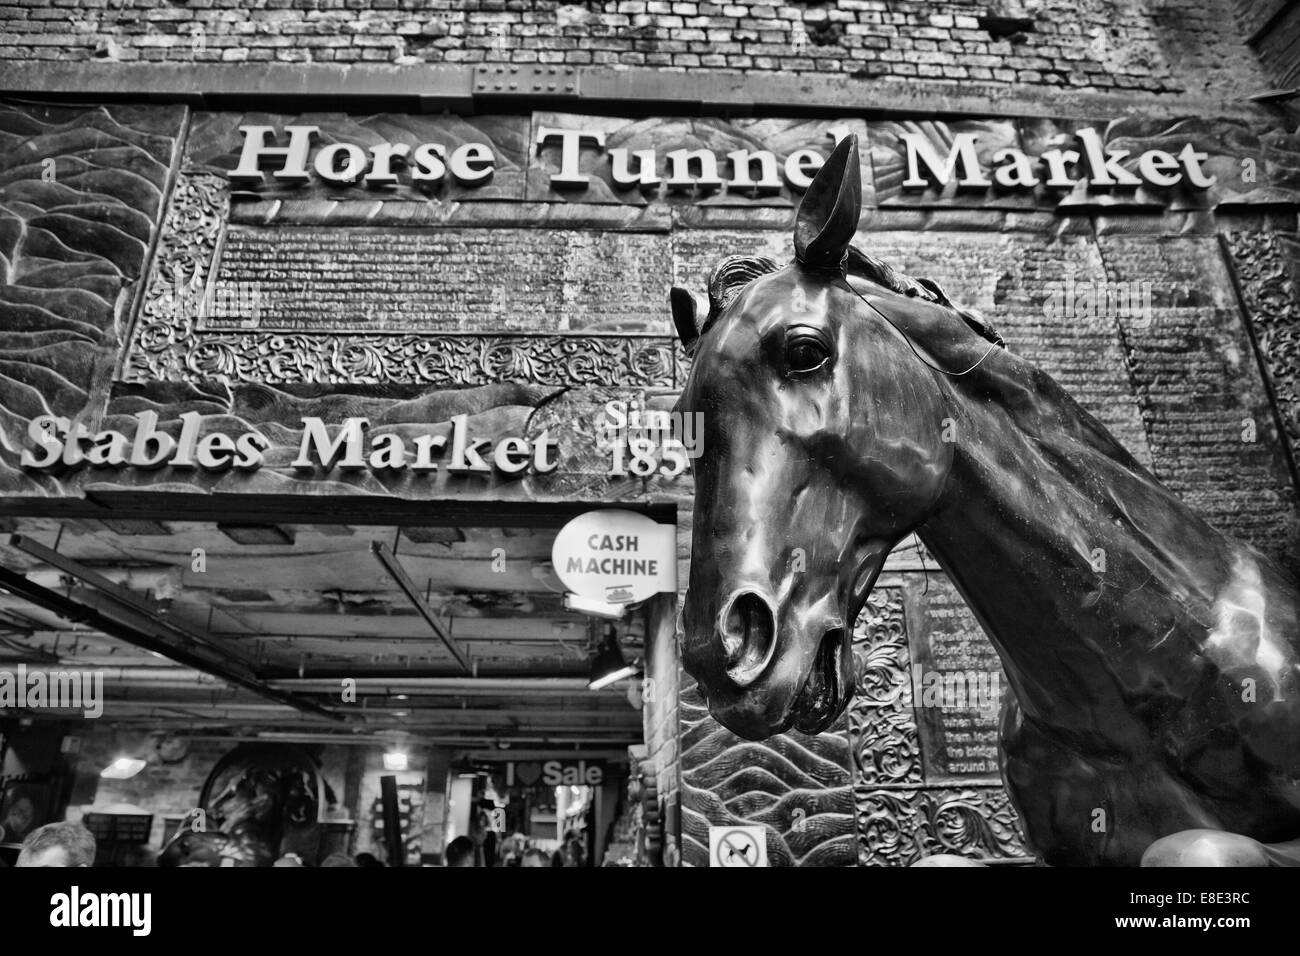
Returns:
point(450, 685)
point(398, 573)
point(117, 593)
point(553, 642)
point(135, 632)
point(179, 722)
point(137, 696)
point(351, 510)
point(416, 715)
point(398, 674)
point(634, 90)
point(386, 739)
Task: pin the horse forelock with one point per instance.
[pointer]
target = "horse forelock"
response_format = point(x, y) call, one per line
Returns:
point(729, 277)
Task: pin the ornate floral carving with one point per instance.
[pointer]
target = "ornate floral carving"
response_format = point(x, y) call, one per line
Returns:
point(169, 344)
point(187, 246)
point(897, 827)
point(1269, 277)
point(882, 727)
point(898, 818)
point(433, 359)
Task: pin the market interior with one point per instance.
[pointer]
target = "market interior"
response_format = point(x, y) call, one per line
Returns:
point(441, 655)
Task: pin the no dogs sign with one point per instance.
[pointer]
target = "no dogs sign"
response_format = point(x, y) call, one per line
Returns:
point(737, 846)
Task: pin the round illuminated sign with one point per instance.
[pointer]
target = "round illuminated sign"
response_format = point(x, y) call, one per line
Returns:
point(618, 557)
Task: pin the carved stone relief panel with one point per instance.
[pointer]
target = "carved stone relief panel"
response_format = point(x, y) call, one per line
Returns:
point(202, 320)
point(925, 776)
point(1268, 271)
point(81, 190)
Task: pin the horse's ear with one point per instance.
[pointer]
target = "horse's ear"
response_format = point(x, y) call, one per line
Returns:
point(828, 215)
point(683, 306)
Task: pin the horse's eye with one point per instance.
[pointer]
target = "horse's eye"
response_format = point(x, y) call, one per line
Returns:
point(805, 352)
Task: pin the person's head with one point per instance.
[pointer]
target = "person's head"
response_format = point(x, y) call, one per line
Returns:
point(460, 852)
point(574, 852)
point(369, 861)
point(58, 844)
point(338, 859)
point(289, 859)
point(534, 857)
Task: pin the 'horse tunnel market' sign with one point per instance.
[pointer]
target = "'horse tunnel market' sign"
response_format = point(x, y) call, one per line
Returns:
point(553, 157)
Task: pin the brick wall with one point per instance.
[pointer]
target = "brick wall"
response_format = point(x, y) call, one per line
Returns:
point(1157, 46)
point(161, 788)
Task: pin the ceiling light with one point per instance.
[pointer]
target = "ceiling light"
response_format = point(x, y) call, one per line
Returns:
point(123, 768)
point(616, 676)
point(395, 760)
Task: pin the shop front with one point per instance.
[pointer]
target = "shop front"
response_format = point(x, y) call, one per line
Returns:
point(300, 392)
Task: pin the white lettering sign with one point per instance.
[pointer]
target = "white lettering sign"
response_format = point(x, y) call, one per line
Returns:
point(59, 442)
point(377, 165)
point(1013, 168)
point(617, 557)
point(293, 155)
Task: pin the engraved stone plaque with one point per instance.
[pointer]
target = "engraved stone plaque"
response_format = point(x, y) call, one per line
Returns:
point(300, 279)
point(957, 684)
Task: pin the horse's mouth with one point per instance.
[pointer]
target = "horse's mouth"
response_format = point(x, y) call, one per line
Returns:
point(818, 704)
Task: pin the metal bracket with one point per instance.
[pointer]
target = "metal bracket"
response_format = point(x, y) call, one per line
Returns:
point(535, 79)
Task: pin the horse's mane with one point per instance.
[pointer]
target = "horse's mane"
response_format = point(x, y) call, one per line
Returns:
point(735, 272)
point(1060, 442)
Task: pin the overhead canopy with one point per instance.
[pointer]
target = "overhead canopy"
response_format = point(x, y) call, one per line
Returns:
point(255, 627)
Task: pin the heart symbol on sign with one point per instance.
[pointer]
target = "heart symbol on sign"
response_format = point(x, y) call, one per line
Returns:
point(528, 773)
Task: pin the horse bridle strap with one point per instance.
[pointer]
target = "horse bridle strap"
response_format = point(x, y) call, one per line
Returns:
point(911, 345)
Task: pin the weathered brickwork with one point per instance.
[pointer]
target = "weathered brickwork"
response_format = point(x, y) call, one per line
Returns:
point(1155, 46)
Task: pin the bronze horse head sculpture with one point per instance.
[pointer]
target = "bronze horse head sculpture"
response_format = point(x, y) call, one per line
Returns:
point(845, 406)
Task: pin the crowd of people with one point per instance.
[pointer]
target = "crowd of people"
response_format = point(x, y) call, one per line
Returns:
point(72, 845)
point(516, 850)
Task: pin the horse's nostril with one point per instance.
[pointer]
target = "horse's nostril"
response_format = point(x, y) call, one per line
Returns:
point(748, 632)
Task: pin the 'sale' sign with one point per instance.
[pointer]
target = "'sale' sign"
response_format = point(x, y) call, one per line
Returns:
point(555, 773)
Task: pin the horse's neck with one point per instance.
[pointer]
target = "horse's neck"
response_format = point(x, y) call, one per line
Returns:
point(1084, 570)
